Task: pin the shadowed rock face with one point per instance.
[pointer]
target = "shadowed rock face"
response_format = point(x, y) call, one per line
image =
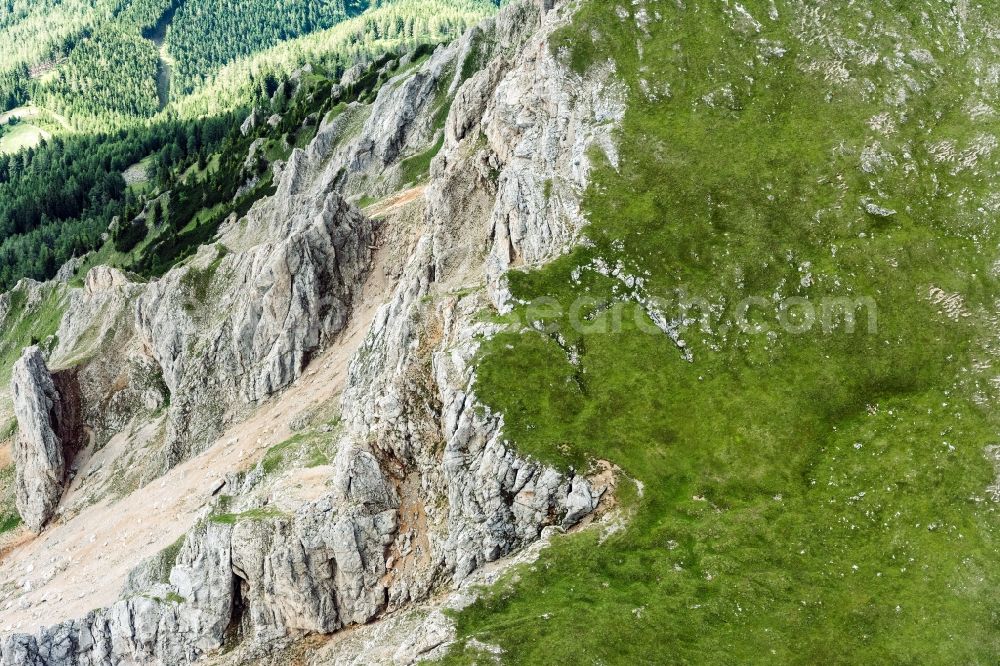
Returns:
point(69, 422)
point(48, 412)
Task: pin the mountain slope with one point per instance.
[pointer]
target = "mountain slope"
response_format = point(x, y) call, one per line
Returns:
point(812, 491)
point(701, 295)
point(57, 202)
point(301, 510)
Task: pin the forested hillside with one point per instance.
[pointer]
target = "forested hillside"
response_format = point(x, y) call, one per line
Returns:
point(206, 34)
point(58, 200)
point(108, 63)
point(112, 74)
point(34, 34)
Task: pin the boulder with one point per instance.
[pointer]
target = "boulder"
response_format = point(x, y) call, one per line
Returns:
point(48, 430)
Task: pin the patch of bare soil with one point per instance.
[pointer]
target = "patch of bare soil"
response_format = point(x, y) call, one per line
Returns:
point(395, 202)
point(136, 174)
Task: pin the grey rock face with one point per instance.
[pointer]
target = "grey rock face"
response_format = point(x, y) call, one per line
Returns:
point(313, 573)
point(425, 488)
point(993, 455)
point(876, 210)
point(254, 317)
point(403, 121)
point(251, 122)
point(146, 629)
point(68, 270)
point(47, 425)
point(399, 115)
point(97, 338)
point(411, 390)
point(541, 123)
point(353, 75)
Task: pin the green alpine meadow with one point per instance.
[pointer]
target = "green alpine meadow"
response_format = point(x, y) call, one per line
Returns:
point(794, 496)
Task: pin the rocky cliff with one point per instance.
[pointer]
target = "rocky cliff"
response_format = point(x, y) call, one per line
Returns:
point(49, 433)
point(414, 487)
point(256, 313)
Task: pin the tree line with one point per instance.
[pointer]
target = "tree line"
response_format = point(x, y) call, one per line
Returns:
point(57, 200)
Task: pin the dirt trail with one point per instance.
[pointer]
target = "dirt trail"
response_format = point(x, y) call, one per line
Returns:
point(82, 564)
point(394, 203)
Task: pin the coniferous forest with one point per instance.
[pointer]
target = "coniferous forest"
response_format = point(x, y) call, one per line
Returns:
point(202, 40)
point(111, 74)
point(56, 201)
point(130, 97)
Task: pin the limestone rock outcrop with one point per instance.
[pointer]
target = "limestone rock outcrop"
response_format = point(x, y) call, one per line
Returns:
point(147, 629)
point(320, 570)
point(47, 410)
point(97, 338)
point(256, 315)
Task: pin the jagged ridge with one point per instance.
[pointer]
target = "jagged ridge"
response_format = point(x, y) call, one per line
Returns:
point(424, 488)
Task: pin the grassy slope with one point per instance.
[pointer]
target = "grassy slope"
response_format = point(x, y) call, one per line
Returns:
point(807, 498)
point(22, 135)
point(27, 322)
